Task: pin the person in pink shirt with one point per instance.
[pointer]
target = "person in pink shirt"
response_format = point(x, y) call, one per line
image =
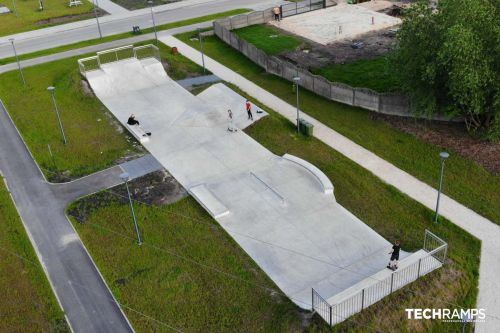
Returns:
point(248, 106)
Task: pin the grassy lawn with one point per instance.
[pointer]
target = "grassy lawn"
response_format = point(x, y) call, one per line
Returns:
point(138, 4)
point(105, 39)
point(31, 18)
point(27, 304)
point(367, 73)
point(156, 281)
point(465, 180)
point(95, 138)
point(269, 39)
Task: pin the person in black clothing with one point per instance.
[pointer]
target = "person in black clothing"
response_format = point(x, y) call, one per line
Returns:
point(132, 121)
point(393, 263)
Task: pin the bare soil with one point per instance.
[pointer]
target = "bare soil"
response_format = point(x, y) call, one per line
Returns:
point(71, 18)
point(314, 55)
point(452, 136)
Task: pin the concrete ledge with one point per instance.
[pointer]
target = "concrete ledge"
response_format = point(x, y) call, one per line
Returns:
point(138, 133)
point(205, 198)
point(323, 179)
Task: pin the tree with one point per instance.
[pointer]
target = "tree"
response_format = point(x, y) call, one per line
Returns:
point(448, 60)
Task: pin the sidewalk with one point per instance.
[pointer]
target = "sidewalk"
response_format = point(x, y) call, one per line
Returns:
point(480, 227)
point(110, 7)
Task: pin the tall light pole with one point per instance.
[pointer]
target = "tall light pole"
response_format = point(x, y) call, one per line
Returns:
point(444, 155)
point(17, 59)
point(200, 38)
point(96, 4)
point(153, 19)
point(14, 7)
point(125, 177)
point(296, 82)
point(52, 92)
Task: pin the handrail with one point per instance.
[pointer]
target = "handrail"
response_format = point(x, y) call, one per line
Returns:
point(115, 49)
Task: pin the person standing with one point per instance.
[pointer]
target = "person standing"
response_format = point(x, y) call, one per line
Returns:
point(277, 13)
point(230, 127)
point(248, 106)
point(393, 263)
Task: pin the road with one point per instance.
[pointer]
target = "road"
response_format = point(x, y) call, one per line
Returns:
point(82, 293)
point(84, 30)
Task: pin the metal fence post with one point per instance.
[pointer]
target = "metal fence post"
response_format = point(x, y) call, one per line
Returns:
point(331, 315)
point(363, 299)
point(392, 281)
point(418, 272)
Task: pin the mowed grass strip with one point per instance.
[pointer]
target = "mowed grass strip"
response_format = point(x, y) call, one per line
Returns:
point(269, 39)
point(466, 181)
point(31, 18)
point(95, 139)
point(27, 303)
point(374, 74)
point(105, 39)
point(188, 274)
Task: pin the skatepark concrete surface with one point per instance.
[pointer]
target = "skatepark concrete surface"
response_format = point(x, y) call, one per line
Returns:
point(276, 208)
point(343, 21)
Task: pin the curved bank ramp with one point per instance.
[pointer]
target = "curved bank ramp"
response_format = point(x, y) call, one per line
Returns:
point(280, 211)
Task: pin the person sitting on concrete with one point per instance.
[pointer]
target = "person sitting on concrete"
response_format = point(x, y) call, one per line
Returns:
point(132, 121)
point(231, 127)
point(393, 263)
point(277, 13)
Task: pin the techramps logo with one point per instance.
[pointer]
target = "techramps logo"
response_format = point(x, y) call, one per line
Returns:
point(448, 315)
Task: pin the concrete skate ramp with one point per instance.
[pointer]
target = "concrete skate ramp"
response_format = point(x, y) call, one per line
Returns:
point(276, 209)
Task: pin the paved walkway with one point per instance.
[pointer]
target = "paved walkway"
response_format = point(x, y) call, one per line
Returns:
point(84, 296)
point(110, 7)
point(482, 228)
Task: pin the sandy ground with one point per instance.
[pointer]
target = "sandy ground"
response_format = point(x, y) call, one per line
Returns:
point(336, 23)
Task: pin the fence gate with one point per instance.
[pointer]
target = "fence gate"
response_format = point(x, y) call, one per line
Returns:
point(305, 6)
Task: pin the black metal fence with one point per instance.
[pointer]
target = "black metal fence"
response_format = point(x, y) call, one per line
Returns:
point(302, 7)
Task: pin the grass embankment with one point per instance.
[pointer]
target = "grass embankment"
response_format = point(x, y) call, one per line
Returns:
point(465, 180)
point(154, 280)
point(27, 303)
point(105, 39)
point(94, 137)
point(374, 74)
point(269, 39)
point(138, 4)
point(30, 17)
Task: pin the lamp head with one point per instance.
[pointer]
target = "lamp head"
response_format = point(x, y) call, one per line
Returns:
point(51, 88)
point(125, 176)
point(11, 40)
point(296, 79)
point(444, 155)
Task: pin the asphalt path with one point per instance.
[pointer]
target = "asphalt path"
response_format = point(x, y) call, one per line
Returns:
point(85, 298)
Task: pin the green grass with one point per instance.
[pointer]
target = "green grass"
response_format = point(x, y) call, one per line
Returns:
point(465, 180)
point(138, 4)
point(151, 280)
point(30, 15)
point(269, 39)
point(27, 303)
point(367, 73)
point(95, 141)
point(227, 293)
point(105, 39)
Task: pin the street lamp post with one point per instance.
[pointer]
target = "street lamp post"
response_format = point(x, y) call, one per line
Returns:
point(444, 155)
point(296, 81)
point(17, 59)
point(96, 4)
point(14, 7)
point(150, 2)
point(52, 92)
point(125, 177)
point(200, 38)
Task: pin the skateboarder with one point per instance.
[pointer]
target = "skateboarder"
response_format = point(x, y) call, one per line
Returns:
point(132, 121)
point(248, 106)
point(393, 263)
point(230, 127)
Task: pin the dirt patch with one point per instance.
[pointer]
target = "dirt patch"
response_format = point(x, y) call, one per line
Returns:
point(314, 55)
point(157, 188)
point(71, 18)
point(451, 136)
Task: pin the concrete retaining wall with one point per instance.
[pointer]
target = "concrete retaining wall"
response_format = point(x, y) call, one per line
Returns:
point(390, 104)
